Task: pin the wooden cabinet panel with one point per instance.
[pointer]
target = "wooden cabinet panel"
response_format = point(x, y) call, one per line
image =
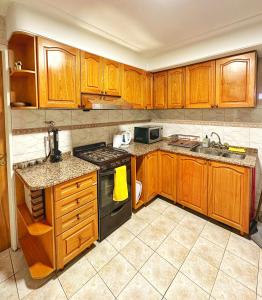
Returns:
point(192, 183)
point(138, 97)
point(128, 82)
point(151, 175)
point(91, 73)
point(236, 81)
point(59, 75)
point(229, 195)
point(160, 90)
point(112, 77)
point(167, 175)
point(176, 88)
point(148, 90)
point(200, 85)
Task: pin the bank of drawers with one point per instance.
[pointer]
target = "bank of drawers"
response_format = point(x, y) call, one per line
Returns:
point(76, 224)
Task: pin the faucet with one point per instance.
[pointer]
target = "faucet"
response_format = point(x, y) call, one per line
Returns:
point(219, 139)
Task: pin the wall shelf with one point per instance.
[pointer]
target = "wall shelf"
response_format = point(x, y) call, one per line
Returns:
point(21, 73)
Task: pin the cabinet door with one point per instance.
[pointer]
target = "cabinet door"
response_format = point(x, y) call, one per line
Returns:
point(167, 174)
point(200, 85)
point(229, 195)
point(236, 81)
point(160, 90)
point(176, 88)
point(148, 90)
point(128, 84)
point(59, 75)
point(91, 73)
point(151, 175)
point(192, 183)
point(112, 77)
point(138, 96)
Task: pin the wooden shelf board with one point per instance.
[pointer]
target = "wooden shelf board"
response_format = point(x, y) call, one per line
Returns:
point(24, 107)
point(34, 228)
point(21, 73)
point(36, 258)
point(139, 204)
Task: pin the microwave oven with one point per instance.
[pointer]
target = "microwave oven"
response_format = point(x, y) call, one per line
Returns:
point(148, 134)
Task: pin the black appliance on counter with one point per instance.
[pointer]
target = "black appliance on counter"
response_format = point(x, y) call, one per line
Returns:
point(148, 134)
point(111, 214)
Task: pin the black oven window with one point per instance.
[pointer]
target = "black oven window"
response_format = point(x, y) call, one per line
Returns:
point(154, 134)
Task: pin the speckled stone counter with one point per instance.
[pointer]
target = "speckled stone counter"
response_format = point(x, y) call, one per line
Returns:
point(138, 149)
point(50, 174)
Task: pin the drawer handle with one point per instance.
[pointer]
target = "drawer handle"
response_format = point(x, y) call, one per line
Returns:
point(77, 201)
point(78, 185)
point(78, 216)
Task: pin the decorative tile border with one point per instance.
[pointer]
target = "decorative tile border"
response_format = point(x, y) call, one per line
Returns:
point(74, 127)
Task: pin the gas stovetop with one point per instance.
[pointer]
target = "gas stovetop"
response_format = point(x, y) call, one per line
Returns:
point(104, 156)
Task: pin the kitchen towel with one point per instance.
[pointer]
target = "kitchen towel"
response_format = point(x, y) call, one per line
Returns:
point(120, 184)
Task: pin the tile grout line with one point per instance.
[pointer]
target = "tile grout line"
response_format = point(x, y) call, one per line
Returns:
point(13, 275)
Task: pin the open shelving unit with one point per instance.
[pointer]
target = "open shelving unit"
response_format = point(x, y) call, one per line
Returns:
point(138, 173)
point(23, 83)
point(36, 239)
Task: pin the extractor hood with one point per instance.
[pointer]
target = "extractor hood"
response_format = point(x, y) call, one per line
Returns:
point(90, 101)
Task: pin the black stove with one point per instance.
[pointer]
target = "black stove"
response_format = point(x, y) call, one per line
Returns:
point(111, 214)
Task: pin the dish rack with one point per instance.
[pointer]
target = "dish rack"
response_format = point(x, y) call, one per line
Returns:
point(183, 140)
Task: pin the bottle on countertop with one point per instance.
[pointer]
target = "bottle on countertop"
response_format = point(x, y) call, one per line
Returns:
point(205, 142)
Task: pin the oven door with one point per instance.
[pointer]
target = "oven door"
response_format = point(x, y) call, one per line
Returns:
point(106, 187)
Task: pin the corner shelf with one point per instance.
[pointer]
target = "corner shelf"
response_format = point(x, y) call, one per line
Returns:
point(23, 107)
point(34, 228)
point(21, 73)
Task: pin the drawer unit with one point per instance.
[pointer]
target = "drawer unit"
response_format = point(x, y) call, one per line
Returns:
point(75, 217)
point(71, 187)
point(72, 242)
point(75, 201)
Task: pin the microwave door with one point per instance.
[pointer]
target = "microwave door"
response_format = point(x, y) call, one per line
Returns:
point(154, 134)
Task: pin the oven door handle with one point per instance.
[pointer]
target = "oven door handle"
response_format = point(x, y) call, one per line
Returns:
point(108, 173)
point(117, 210)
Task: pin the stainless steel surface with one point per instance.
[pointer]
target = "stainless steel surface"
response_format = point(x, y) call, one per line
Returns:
point(218, 152)
point(234, 155)
point(104, 102)
point(219, 139)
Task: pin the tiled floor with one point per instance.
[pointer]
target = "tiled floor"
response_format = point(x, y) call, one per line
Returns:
point(163, 252)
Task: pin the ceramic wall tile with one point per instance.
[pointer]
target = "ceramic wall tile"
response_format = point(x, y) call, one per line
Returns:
point(238, 136)
point(193, 114)
point(115, 115)
point(89, 117)
point(60, 117)
point(29, 143)
point(213, 114)
point(28, 119)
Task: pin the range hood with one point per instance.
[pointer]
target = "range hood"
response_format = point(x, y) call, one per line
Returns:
point(90, 101)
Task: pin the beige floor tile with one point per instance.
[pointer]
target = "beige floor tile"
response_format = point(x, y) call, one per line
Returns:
point(120, 238)
point(152, 236)
point(193, 223)
point(147, 214)
point(259, 298)
point(173, 252)
point(216, 234)
point(259, 283)
point(158, 272)
point(18, 260)
point(260, 258)
point(135, 224)
point(137, 253)
point(240, 270)
point(51, 290)
point(6, 269)
point(75, 275)
point(242, 248)
point(94, 289)
point(164, 224)
point(117, 273)
point(8, 289)
point(209, 251)
point(175, 213)
point(199, 271)
point(228, 288)
point(182, 288)
point(139, 289)
point(101, 254)
point(184, 236)
point(159, 205)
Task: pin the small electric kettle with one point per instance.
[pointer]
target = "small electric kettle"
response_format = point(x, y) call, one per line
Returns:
point(121, 139)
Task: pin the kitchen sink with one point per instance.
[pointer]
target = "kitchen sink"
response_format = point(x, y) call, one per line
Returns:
point(234, 155)
point(218, 152)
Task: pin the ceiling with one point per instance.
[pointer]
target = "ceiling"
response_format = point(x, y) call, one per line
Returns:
point(152, 27)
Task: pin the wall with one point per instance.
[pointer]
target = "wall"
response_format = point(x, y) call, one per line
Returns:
point(2, 31)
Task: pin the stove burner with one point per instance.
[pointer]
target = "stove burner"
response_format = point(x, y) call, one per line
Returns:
point(102, 155)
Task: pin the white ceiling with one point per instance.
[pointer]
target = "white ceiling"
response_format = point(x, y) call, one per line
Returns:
point(152, 27)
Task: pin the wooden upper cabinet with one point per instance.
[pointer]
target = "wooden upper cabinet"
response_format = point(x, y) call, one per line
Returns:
point(91, 73)
point(229, 195)
point(128, 82)
point(236, 81)
point(192, 183)
point(148, 90)
point(59, 75)
point(160, 90)
point(200, 85)
point(151, 175)
point(112, 77)
point(176, 88)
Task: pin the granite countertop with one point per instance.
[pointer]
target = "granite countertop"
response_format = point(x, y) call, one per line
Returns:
point(138, 149)
point(49, 174)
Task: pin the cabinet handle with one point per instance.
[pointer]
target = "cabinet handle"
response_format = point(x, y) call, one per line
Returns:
point(78, 216)
point(105, 92)
point(217, 106)
point(77, 201)
point(78, 185)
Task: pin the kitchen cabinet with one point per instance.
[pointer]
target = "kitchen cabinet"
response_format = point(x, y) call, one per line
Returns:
point(236, 81)
point(160, 90)
point(192, 183)
point(167, 175)
point(148, 90)
point(176, 88)
point(112, 77)
point(200, 85)
point(151, 175)
point(58, 74)
point(229, 194)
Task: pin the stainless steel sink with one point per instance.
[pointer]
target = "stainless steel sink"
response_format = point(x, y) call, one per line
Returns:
point(209, 151)
point(234, 155)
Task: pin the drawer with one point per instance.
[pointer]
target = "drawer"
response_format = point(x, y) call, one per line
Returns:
point(75, 217)
point(74, 186)
point(75, 201)
point(72, 242)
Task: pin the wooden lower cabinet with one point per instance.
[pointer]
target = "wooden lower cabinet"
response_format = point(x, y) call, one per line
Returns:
point(192, 183)
point(229, 194)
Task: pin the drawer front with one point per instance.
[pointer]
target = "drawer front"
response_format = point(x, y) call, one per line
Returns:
point(72, 242)
point(75, 201)
point(71, 187)
point(75, 217)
